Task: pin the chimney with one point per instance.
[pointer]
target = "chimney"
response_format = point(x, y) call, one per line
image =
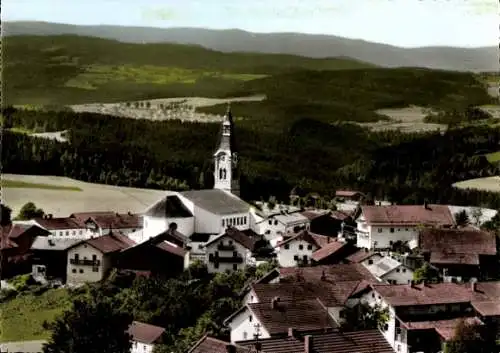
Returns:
point(323, 275)
point(308, 341)
point(426, 205)
point(412, 284)
point(291, 332)
point(473, 286)
point(230, 348)
point(274, 303)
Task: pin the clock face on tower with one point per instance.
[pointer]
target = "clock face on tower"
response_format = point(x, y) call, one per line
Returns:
point(222, 158)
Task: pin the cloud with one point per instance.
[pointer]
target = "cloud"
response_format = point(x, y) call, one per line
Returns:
point(158, 14)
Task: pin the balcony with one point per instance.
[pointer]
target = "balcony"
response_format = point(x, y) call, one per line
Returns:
point(226, 259)
point(85, 262)
point(226, 247)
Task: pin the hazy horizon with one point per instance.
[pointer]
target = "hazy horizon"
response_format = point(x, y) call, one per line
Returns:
point(402, 23)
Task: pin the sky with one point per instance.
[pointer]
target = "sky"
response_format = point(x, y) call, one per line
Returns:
point(405, 23)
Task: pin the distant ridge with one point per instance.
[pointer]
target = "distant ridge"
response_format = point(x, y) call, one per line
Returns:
point(308, 45)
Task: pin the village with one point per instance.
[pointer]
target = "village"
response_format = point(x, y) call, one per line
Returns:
point(428, 267)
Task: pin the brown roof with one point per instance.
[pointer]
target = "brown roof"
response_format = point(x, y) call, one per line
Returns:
point(339, 215)
point(445, 328)
point(175, 250)
point(111, 220)
point(335, 273)
point(306, 236)
point(346, 193)
point(238, 236)
point(310, 214)
point(409, 215)
point(9, 234)
point(110, 242)
point(428, 294)
point(460, 241)
point(453, 258)
point(331, 342)
point(360, 256)
point(487, 308)
point(212, 345)
point(327, 250)
point(486, 298)
point(60, 223)
point(145, 333)
point(303, 315)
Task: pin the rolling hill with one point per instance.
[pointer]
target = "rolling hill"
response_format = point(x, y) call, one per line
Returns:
point(316, 46)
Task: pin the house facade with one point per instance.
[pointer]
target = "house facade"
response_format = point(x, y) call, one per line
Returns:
point(144, 337)
point(389, 270)
point(63, 227)
point(380, 227)
point(299, 248)
point(229, 251)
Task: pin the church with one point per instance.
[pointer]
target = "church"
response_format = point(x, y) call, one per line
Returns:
point(204, 212)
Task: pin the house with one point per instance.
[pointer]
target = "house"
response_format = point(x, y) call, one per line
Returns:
point(230, 251)
point(327, 223)
point(298, 248)
point(63, 227)
point(15, 245)
point(486, 304)
point(274, 317)
point(363, 256)
point(379, 227)
point(101, 223)
point(390, 271)
point(331, 253)
point(348, 195)
point(90, 260)
point(300, 342)
point(156, 256)
point(422, 317)
point(144, 336)
point(460, 254)
point(50, 257)
point(208, 211)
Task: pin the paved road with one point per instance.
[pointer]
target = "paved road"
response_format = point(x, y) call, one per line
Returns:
point(22, 346)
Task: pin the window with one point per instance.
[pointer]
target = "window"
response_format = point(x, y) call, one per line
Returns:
point(404, 270)
point(373, 295)
point(399, 348)
point(245, 335)
point(268, 232)
point(216, 265)
point(81, 270)
point(216, 254)
point(61, 234)
point(74, 232)
point(74, 270)
point(370, 262)
point(237, 221)
point(270, 222)
point(406, 229)
point(230, 242)
point(235, 267)
point(386, 327)
point(391, 242)
point(94, 257)
point(304, 258)
point(275, 222)
point(399, 229)
point(392, 230)
point(245, 220)
point(287, 246)
point(301, 247)
point(81, 232)
point(380, 230)
point(250, 318)
point(223, 221)
point(342, 314)
point(398, 270)
point(309, 247)
point(296, 257)
point(95, 269)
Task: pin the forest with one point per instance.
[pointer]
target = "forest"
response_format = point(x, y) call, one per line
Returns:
point(318, 157)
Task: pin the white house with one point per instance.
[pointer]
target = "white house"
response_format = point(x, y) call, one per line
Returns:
point(90, 260)
point(299, 248)
point(230, 251)
point(63, 227)
point(208, 211)
point(379, 227)
point(390, 271)
point(144, 337)
point(101, 223)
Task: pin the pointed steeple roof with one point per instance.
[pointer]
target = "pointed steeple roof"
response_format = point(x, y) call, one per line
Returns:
point(226, 142)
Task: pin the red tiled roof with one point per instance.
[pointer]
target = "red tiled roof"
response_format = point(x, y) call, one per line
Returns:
point(110, 243)
point(346, 193)
point(335, 273)
point(453, 258)
point(11, 232)
point(340, 215)
point(302, 315)
point(327, 250)
point(460, 241)
point(360, 256)
point(304, 235)
point(332, 342)
point(487, 308)
point(486, 290)
point(212, 345)
point(60, 223)
point(428, 294)
point(310, 214)
point(435, 215)
point(145, 333)
point(107, 220)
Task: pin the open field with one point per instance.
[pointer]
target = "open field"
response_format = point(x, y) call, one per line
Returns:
point(409, 119)
point(487, 184)
point(22, 317)
point(493, 157)
point(6, 183)
point(63, 202)
point(183, 108)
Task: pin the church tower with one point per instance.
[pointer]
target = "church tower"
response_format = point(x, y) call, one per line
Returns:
point(226, 173)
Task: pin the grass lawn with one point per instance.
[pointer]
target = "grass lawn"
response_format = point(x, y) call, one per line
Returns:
point(493, 157)
point(21, 184)
point(22, 317)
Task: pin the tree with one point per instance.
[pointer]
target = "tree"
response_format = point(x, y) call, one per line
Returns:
point(364, 317)
point(477, 214)
point(90, 327)
point(471, 337)
point(29, 211)
point(426, 273)
point(5, 216)
point(462, 218)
